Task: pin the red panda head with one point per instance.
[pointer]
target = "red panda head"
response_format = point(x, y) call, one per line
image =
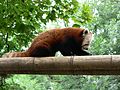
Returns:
point(87, 38)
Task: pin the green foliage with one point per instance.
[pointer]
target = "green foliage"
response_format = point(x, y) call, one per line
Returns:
point(21, 20)
point(106, 27)
point(58, 82)
point(84, 15)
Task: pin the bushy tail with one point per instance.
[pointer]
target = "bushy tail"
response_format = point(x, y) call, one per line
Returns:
point(15, 54)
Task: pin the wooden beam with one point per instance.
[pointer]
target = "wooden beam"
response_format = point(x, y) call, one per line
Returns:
point(80, 65)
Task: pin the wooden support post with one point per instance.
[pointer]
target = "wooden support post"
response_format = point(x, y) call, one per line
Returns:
point(80, 65)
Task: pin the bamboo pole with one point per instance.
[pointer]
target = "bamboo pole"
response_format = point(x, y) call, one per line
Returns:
point(69, 65)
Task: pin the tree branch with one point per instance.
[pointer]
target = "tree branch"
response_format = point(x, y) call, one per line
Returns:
point(81, 65)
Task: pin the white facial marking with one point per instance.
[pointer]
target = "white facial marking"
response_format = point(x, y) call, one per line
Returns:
point(87, 40)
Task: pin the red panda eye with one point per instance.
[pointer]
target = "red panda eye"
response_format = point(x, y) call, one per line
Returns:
point(84, 33)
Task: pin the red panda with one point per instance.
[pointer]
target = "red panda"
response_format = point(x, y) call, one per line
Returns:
point(69, 41)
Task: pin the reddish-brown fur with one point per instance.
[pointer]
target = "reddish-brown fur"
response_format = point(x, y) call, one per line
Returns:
point(67, 40)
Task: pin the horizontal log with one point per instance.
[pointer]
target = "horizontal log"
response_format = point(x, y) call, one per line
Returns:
point(69, 65)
